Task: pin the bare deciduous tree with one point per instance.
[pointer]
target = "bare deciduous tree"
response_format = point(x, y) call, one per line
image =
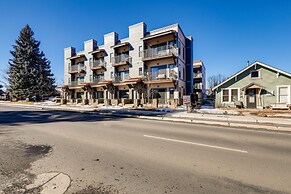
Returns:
point(215, 80)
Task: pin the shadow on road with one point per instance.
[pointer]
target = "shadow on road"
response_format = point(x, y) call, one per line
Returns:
point(16, 117)
point(46, 116)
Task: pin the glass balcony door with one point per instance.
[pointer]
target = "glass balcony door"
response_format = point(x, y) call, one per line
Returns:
point(158, 72)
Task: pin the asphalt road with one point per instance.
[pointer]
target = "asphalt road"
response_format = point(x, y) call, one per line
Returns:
point(141, 156)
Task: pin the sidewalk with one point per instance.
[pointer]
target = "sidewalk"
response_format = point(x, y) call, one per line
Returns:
point(246, 121)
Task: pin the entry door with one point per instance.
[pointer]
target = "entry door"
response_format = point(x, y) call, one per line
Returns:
point(251, 98)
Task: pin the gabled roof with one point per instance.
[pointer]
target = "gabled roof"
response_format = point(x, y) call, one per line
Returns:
point(248, 67)
point(253, 86)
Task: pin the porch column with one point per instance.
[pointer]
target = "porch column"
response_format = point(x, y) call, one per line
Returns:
point(168, 94)
point(105, 94)
point(134, 94)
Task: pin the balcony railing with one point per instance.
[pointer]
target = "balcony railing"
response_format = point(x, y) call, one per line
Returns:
point(161, 75)
point(198, 86)
point(197, 75)
point(97, 80)
point(76, 68)
point(76, 83)
point(120, 78)
point(159, 52)
point(120, 60)
point(97, 64)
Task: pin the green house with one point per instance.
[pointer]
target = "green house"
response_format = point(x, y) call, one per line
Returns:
point(256, 86)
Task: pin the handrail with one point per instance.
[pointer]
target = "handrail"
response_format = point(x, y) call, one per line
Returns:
point(159, 51)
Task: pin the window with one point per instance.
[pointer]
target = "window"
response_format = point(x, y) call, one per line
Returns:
point(283, 94)
point(139, 51)
point(230, 95)
point(100, 94)
point(179, 47)
point(171, 66)
point(171, 43)
point(225, 95)
point(111, 55)
point(91, 77)
point(158, 72)
point(172, 93)
point(111, 74)
point(69, 80)
point(140, 71)
point(234, 95)
point(80, 94)
point(255, 74)
point(123, 93)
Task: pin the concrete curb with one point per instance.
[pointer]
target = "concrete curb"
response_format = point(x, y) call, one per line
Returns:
point(228, 123)
point(222, 123)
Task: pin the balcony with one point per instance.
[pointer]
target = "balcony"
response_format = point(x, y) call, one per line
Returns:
point(197, 75)
point(97, 80)
point(77, 68)
point(159, 52)
point(123, 59)
point(161, 75)
point(97, 64)
point(120, 78)
point(76, 83)
point(198, 86)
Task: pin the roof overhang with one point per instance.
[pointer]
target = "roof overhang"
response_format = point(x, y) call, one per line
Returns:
point(253, 86)
point(248, 67)
point(159, 34)
point(97, 51)
point(76, 56)
point(121, 45)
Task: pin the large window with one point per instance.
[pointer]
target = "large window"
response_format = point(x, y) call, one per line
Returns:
point(283, 94)
point(123, 93)
point(234, 95)
point(100, 94)
point(158, 72)
point(80, 94)
point(230, 94)
point(225, 95)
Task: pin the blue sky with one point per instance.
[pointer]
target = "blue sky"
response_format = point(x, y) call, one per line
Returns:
point(227, 33)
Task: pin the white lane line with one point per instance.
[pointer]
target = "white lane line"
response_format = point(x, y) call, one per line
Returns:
point(198, 144)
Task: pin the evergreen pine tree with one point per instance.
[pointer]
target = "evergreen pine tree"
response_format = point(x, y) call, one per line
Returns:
point(29, 73)
point(1, 91)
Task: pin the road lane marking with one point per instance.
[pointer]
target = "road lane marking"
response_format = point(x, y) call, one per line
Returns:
point(198, 144)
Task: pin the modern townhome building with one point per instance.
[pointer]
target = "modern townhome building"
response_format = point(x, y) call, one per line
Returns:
point(258, 85)
point(139, 69)
point(199, 74)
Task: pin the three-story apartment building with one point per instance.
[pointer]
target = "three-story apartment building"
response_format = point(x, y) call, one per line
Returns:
point(199, 79)
point(134, 70)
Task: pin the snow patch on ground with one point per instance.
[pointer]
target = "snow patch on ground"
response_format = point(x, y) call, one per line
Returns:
point(218, 111)
point(165, 110)
point(110, 107)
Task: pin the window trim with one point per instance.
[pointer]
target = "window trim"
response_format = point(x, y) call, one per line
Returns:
point(259, 72)
point(229, 94)
point(288, 90)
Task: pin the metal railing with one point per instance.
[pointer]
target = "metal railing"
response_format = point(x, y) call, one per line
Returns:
point(119, 78)
point(97, 80)
point(121, 59)
point(159, 52)
point(198, 86)
point(76, 68)
point(97, 64)
point(161, 75)
point(197, 75)
point(76, 83)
